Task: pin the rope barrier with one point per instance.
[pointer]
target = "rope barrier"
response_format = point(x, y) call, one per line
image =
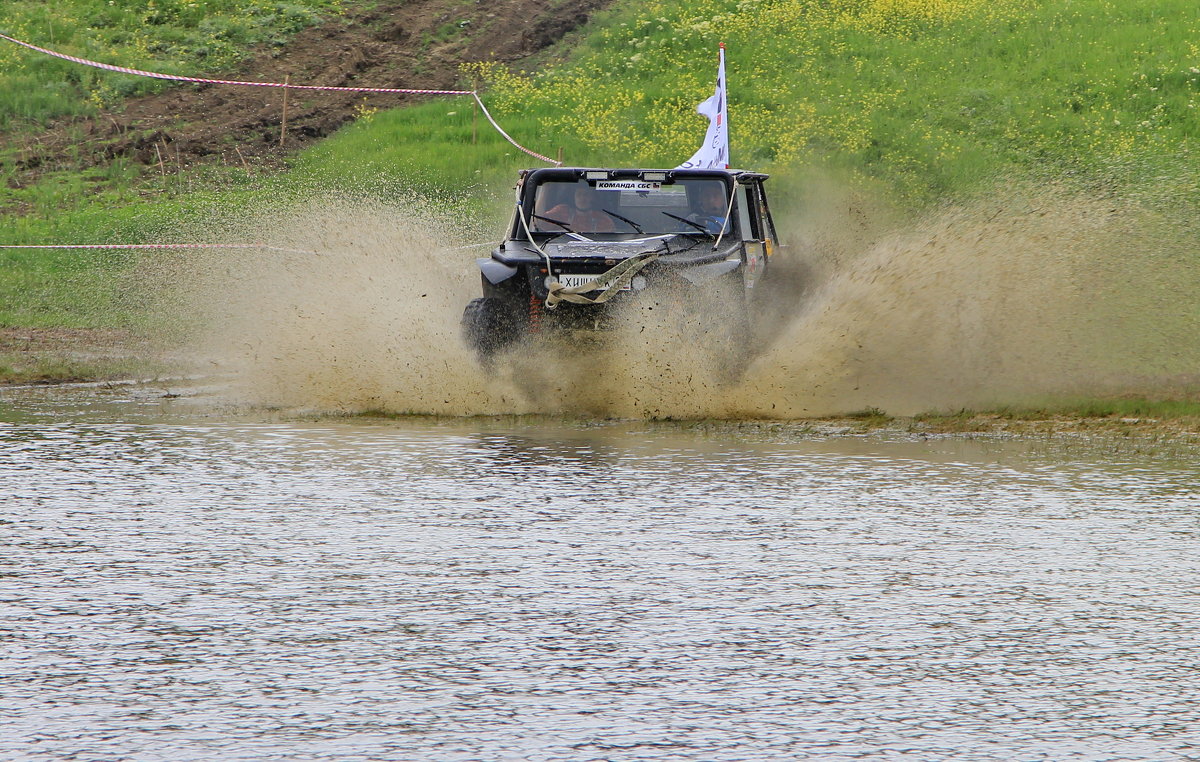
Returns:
point(188, 246)
point(488, 114)
point(154, 246)
point(203, 81)
point(282, 85)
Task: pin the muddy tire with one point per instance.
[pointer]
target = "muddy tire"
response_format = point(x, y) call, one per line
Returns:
point(489, 325)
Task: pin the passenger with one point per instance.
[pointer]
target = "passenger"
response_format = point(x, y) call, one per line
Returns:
point(584, 216)
point(713, 205)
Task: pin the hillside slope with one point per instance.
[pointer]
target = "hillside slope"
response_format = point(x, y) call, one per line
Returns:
point(388, 44)
point(935, 99)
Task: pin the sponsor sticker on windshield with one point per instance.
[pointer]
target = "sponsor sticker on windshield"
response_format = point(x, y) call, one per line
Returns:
point(617, 185)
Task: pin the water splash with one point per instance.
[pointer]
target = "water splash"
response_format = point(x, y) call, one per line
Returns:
point(1010, 300)
point(368, 322)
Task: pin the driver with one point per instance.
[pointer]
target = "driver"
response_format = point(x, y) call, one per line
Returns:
point(713, 205)
point(585, 215)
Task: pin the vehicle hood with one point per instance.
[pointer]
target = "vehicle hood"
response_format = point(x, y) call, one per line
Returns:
point(672, 248)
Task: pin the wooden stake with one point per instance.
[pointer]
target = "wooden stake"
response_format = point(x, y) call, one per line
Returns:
point(161, 167)
point(245, 166)
point(283, 123)
point(474, 112)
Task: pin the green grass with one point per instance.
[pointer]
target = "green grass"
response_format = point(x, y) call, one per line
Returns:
point(441, 149)
point(935, 99)
point(48, 367)
point(70, 287)
point(932, 101)
point(928, 106)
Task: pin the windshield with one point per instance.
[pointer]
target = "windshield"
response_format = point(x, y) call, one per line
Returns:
point(630, 206)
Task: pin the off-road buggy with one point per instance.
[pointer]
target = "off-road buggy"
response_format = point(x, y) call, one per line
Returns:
point(582, 242)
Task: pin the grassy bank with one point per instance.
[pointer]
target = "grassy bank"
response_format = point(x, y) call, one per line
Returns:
point(195, 38)
point(934, 100)
point(928, 100)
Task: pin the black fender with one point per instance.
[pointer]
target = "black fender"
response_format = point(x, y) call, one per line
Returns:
point(495, 272)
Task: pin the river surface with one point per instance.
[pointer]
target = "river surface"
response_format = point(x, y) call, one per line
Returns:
point(185, 582)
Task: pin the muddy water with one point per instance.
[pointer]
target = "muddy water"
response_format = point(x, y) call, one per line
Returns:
point(184, 582)
point(1010, 301)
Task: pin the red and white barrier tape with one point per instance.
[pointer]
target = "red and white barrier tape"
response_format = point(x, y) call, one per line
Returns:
point(506, 136)
point(284, 85)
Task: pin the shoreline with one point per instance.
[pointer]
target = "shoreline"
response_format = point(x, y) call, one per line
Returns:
point(55, 356)
point(74, 357)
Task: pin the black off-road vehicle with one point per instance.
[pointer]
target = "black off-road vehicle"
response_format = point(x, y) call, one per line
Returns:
point(584, 241)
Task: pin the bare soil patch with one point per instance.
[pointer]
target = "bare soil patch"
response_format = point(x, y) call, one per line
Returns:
point(388, 44)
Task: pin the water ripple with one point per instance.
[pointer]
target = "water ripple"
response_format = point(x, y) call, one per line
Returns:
point(199, 589)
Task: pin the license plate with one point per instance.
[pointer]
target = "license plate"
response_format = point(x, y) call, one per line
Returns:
point(574, 280)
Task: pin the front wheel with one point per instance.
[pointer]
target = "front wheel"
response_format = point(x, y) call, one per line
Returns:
point(490, 324)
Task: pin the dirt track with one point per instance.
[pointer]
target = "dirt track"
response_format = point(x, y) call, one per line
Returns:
point(393, 44)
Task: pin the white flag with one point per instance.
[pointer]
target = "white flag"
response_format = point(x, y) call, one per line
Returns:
point(714, 153)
